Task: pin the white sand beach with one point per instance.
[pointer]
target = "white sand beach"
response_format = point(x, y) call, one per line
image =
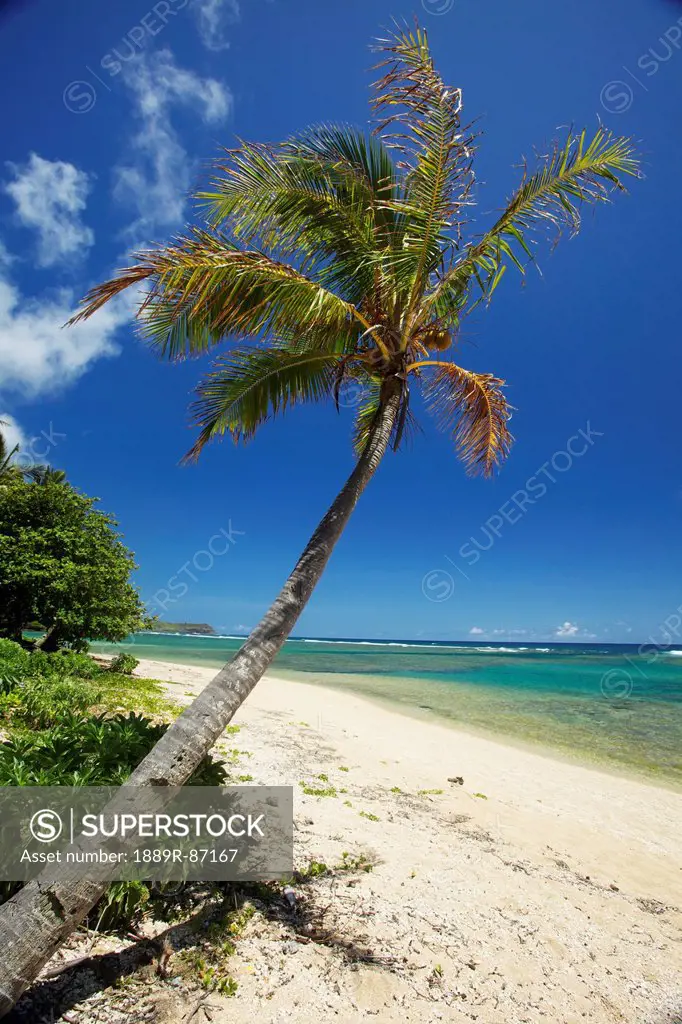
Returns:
point(534, 890)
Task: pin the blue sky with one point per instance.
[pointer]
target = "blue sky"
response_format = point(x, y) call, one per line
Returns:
point(115, 110)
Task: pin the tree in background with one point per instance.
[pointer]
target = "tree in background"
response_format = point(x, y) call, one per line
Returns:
point(62, 563)
point(10, 469)
point(45, 475)
point(339, 257)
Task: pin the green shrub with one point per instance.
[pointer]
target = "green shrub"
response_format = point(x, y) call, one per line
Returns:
point(13, 657)
point(124, 663)
point(317, 790)
point(46, 698)
point(15, 660)
point(62, 664)
point(89, 751)
point(46, 702)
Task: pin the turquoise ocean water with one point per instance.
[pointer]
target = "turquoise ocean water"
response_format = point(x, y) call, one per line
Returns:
point(615, 705)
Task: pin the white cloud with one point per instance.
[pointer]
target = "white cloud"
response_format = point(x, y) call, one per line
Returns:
point(155, 181)
point(476, 631)
point(11, 432)
point(50, 196)
point(37, 356)
point(6, 257)
point(568, 629)
point(214, 18)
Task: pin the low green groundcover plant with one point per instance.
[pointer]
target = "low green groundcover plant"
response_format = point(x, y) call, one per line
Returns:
point(69, 722)
point(41, 703)
point(88, 750)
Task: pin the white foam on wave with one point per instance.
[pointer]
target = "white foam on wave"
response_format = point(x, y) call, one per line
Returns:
point(404, 645)
point(501, 650)
point(377, 643)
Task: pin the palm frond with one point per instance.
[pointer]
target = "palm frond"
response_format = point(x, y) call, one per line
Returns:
point(249, 386)
point(473, 408)
point(285, 199)
point(44, 475)
point(204, 288)
point(353, 157)
point(7, 468)
point(575, 172)
point(424, 116)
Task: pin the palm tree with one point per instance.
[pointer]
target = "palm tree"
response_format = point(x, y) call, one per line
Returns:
point(36, 473)
point(8, 470)
point(332, 257)
point(44, 475)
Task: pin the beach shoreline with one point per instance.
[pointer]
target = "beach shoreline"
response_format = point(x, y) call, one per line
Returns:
point(378, 722)
point(554, 749)
point(456, 878)
point(559, 883)
point(560, 753)
point(614, 712)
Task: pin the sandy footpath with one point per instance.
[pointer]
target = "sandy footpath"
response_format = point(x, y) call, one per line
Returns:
point(534, 890)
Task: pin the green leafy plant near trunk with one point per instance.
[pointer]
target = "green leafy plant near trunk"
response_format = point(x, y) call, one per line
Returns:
point(62, 731)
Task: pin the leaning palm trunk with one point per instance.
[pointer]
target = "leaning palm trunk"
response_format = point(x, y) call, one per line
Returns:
point(331, 261)
point(39, 918)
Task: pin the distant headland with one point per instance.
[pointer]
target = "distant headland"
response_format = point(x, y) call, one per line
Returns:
point(200, 628)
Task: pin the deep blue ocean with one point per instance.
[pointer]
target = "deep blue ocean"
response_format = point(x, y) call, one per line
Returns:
point(617, 705)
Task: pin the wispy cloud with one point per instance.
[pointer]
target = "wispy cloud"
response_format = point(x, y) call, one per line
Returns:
point(214, 18)
point(476, 631)
point(153, 183)
point(50, 197)
point(37, 357)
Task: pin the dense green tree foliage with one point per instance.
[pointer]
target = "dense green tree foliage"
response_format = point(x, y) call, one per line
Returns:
point(63, 563)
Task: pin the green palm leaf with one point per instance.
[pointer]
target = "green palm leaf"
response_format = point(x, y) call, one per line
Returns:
point(276, 198)
point(424, 115)
point(45, 475)
point(367, 410)
point(204, 288)
point(249, 386)
point(339, 253)
point(8, 470)
point(358, 160)
point(575, 173)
